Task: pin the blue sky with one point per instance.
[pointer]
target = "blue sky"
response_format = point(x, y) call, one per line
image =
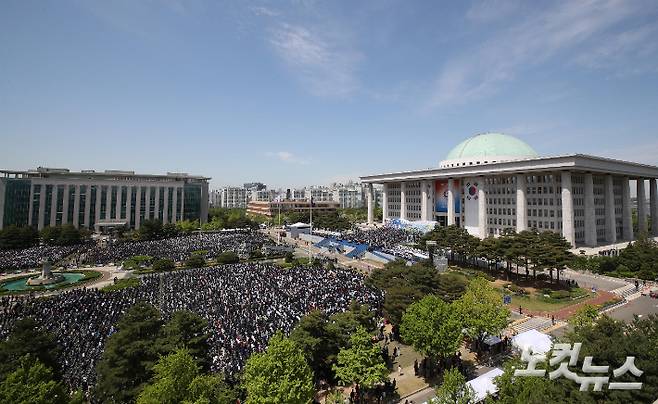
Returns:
point(305, 92)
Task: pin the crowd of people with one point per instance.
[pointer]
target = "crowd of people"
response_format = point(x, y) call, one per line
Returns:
point(383, 237)
point(33, 257)
point(176, 248)
point(244, 304)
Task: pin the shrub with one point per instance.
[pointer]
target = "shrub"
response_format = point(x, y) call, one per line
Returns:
point(228, 257)
point(560, 294)
point(195, 261)
point(164, 264)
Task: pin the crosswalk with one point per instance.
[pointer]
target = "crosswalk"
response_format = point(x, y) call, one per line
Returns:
point(625, 291)
point(532, 323)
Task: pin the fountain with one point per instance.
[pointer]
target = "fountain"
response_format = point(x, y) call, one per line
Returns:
point(47, 277)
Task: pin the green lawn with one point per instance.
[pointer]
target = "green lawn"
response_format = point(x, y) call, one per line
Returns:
point(122, 284)
point(538, 302)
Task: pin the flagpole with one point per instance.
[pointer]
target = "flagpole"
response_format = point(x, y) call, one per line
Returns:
point(311, 229)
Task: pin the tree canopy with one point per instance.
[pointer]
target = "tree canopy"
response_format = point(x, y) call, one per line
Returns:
point(482, 310)
point(177, 379)
point(362, 362)
point(432, 327)
point(454, 389)
point(279, 375)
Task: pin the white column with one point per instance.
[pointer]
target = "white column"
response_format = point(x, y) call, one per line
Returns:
point(165, 209)
point(590, 213)
point(610, 222)
point(482, 208)
point(65, 205)
point(384, 203)
point(129, 203)
point(97, 211)
point(174, 205)
point(403, 200)
point(521, 203)
point(451, 202)
point(42, 207)
point(626, 214)
point(53, 206)
point(88, 203)
point(371, 216)
point(138, 207)
point(117, 206)
point(157, 203)
point(76, 207)
point(147, 203)
point(568, 229)
point(424, 195)
point(641, 206)
point(653, 206)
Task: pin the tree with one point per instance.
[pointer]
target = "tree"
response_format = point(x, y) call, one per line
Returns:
point(171, 377)
point(176, 379)
point(163, 264)
point(585, 316)
point(482, 310)
point(32, 382)
point(69, 235)
point(28, 338)
point(187, 226)
point(342, 325)
point(50, 234)
point(454, 389)
point(195, 261)
point(13, 237)
point(362, 362)
point(129, 356)
point(280, 375)
point(319, 345)
point(520, 389)
point(432, 327)
point(187, 330)
point(151, 229)
point(228, 257)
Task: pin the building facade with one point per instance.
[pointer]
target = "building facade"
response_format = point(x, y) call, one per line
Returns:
point(94, 200)
point(492, 182)
point(300, 206)
point(234, 197)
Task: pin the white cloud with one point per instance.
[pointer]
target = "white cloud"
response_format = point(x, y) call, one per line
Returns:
point(491, 10)
point(265, 11)
point(324, 64)
point(625, 49)
point(286, 157)
point(544, 34)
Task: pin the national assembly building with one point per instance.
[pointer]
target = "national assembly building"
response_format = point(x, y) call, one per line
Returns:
point(99, 200)
point(492, 182)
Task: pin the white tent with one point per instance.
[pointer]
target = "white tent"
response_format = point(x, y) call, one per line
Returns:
point(484, 385)
point(537, 342)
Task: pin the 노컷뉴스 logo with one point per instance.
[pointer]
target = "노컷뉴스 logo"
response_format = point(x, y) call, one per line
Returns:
point(602, 375)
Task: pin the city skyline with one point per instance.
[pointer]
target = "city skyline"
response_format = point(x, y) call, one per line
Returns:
point(302, 93)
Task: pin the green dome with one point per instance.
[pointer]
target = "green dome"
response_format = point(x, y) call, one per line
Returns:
point(491, 145)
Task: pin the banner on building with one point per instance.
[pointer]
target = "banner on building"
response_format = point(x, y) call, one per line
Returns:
point(441, 193)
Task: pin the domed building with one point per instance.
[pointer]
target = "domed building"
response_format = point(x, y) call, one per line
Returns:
point(492, 182)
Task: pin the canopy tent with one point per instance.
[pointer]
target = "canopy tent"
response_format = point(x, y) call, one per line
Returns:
point(537, 342)
point(484, 385)
point(423, 226)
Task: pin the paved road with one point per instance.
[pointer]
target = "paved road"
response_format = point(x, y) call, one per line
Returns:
point(642, 306)
point(588, 280)
point(421, 397)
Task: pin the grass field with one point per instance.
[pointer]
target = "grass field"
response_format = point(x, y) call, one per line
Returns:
point(122, 284)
